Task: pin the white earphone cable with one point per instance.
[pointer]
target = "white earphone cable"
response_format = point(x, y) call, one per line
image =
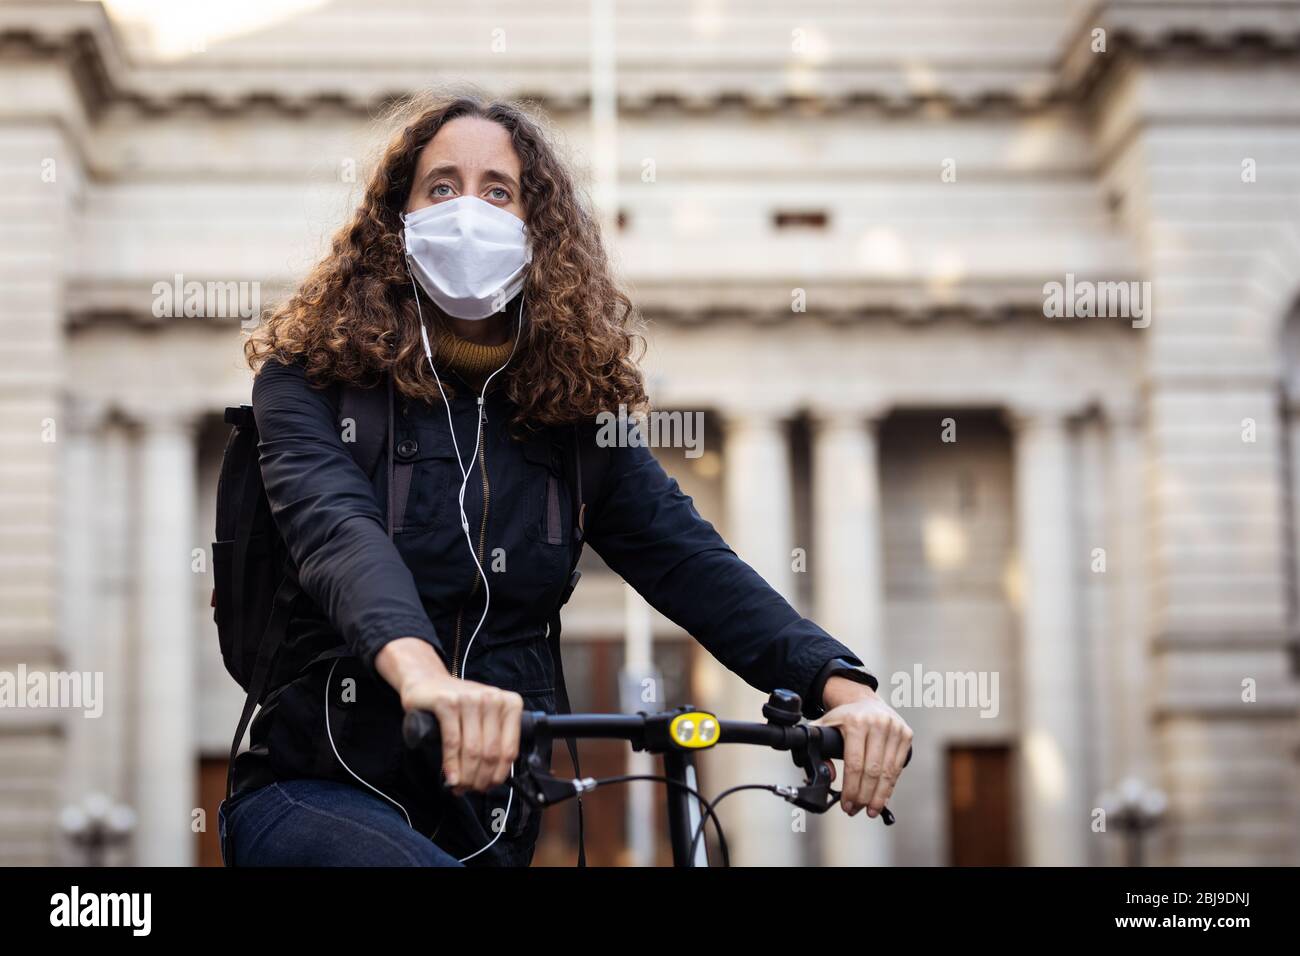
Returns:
point(464, 525)
point(464, 519)
point(339, 756)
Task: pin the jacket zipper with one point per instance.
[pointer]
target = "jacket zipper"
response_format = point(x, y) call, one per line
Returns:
point(482, 542)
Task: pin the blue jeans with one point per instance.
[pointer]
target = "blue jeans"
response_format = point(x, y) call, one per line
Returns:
point(321, 823)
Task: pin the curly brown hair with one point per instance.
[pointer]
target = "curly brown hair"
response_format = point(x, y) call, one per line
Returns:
point(354, 317)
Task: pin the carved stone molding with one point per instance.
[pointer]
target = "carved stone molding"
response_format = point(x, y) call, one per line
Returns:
point(81, 35)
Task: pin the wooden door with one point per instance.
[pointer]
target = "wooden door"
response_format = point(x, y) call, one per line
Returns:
point(211, 790)
point(979, 805)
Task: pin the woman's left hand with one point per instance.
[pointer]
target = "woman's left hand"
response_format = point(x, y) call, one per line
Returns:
point(876, 744)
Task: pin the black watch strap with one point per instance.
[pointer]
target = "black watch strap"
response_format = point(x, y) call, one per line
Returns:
point(835, 667)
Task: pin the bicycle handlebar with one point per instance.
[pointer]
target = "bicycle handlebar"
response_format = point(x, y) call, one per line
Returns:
point(420, 731)
point(675, 734)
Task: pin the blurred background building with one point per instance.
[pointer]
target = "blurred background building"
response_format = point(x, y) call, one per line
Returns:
point(842, 221)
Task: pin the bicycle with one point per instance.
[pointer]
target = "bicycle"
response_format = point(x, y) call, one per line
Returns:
point(677, 735)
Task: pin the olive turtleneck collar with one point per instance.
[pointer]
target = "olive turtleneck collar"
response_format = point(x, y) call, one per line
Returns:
point(470, 360)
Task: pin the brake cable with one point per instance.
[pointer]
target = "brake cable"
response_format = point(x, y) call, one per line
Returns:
point(705, 804)
point(699, 831)
point(709, 806)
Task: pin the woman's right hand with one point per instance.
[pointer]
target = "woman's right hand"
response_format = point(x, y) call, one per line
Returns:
point(479, 723)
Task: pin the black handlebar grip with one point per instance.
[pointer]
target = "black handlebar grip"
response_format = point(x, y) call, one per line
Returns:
point(527, 720)
point(420, 732)
point(833, 745)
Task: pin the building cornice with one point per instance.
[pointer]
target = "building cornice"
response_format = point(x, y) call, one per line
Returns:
point(1248, 31)
point(78, 35)
point(81, 35)
point(92, 304)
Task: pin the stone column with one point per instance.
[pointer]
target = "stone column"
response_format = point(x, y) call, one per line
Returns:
point(115, 580)
point(759, 527)
point(1054, 804)
point(165, 704)
point(638, 665)
point(1129, 570)
point(79, 611)
point(1093, 603)
point(848, 582)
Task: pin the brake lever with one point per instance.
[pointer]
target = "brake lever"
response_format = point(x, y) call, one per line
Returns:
point(537, 785)
point(817, 795)
point(541, 789)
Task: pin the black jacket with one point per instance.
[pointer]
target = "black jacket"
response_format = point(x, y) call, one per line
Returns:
point(366, 589)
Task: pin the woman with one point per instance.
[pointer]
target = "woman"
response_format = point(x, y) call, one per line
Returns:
point(472, 269)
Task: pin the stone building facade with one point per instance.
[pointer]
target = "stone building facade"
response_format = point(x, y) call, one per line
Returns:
point(843, 222)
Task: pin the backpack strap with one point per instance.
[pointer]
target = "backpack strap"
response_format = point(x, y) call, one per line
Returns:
point(588, 464)
point(373, 420)
point(366, 410)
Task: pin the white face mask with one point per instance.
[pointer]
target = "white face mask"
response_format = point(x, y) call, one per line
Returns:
point(469, 256)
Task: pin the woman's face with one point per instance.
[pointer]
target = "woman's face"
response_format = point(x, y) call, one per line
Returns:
point(469, 156)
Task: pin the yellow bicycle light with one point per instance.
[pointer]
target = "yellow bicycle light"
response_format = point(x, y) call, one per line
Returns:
point(694, 730)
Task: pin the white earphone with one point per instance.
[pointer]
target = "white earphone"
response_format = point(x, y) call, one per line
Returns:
point(469, 541)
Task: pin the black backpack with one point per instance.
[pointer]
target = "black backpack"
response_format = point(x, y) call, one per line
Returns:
point(255, 590)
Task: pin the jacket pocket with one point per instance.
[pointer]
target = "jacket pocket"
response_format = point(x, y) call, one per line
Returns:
point(519, 662)
point(424, 464)
point(240, 630)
